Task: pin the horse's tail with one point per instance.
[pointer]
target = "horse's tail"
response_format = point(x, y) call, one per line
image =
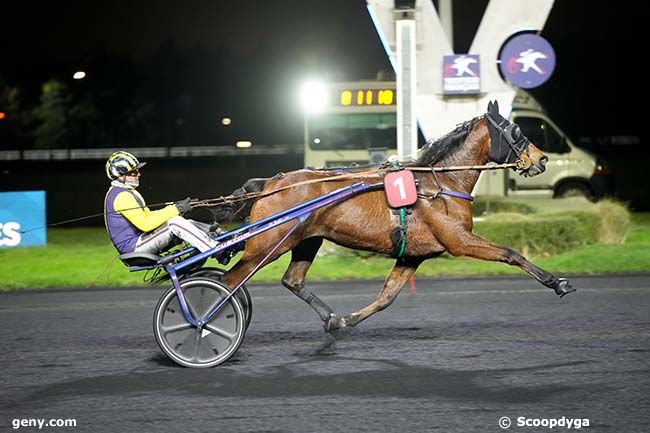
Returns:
point(241, 210)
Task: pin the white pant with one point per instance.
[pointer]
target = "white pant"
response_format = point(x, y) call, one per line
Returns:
point(167, 235)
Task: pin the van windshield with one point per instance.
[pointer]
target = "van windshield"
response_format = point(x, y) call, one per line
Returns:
point(542, 134)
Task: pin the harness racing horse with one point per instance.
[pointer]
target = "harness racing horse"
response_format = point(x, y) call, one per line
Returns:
point(439, 221)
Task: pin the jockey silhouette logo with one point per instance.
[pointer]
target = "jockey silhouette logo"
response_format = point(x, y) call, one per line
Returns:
point(461, 67)
point(461, 74)
point(527, 61)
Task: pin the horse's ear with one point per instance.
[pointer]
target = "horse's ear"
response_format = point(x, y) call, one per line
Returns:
point(493, 107)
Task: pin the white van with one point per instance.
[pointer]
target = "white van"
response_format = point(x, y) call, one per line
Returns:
point(570, 170)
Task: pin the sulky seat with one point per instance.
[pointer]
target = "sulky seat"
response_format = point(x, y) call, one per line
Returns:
point(140, 259)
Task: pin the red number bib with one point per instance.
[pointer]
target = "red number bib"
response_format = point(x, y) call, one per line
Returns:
point(400, 188)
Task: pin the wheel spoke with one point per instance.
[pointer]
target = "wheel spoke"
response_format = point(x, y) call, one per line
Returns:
point(184, 347)
point(175, 328)
point(213, 306)
point(197, 346)
point(220, 332)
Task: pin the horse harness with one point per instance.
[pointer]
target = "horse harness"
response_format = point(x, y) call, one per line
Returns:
point(517, 142)
point(404, 207)
point(399, 234)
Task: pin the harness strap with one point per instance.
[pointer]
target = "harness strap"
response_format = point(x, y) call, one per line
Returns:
point(402, 220)
point(395, 166)
point(462, 195)
point(360, 175)
point(446, 191)
point(256, 195)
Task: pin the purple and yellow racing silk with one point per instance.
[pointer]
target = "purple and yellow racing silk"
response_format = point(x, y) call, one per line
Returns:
point(127, 216)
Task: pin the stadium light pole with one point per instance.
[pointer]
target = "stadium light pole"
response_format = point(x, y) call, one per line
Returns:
point(405, 26)
point(313, 99)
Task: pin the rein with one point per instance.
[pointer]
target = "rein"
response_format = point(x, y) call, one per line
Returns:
point(248, 196)
point(346, 176)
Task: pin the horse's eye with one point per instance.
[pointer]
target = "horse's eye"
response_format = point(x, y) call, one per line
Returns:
point(516, 132)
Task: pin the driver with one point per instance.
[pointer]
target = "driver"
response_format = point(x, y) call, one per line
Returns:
point(132, 227)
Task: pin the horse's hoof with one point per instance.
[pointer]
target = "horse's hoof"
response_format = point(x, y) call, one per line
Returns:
point(333, 323)
point(563, 287)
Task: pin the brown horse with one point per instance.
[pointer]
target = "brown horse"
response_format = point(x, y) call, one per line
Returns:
point(438, 222)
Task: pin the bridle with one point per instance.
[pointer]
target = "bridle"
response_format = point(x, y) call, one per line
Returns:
point(517, 142)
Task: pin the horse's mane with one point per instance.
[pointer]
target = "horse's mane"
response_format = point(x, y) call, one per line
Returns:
point(434, 151)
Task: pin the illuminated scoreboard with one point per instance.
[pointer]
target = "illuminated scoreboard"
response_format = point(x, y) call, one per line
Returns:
point(365, 97)
point(356, 122)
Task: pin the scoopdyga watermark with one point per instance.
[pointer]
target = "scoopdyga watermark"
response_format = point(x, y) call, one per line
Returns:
point(550, 423)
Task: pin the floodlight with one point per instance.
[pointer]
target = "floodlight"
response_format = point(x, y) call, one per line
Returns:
point(313, 96)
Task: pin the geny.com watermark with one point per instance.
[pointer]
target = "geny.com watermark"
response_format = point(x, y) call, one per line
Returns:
point(550, 423)
point(41, 422)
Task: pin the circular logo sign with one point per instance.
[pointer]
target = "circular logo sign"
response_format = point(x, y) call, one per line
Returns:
point(527, 61)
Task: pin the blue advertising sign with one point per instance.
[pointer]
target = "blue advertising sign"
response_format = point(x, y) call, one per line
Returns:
point(461, 74)
point(20, 211)
point(527, 61)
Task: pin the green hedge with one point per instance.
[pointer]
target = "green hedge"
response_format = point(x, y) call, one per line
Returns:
point(554, 231)
point(615, 222)
point(537, 234)
point(501, 204)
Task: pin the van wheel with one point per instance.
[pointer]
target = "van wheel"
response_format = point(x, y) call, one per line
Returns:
point(574, 189)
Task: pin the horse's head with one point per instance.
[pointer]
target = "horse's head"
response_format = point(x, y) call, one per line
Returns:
point(509, 144)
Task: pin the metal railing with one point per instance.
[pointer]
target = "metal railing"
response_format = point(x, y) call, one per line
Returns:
point(146, 152)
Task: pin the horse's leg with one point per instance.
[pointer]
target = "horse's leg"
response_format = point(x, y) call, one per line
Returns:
point(253, 255)
point(398, 276)
point(471, 245)
point(302, 257)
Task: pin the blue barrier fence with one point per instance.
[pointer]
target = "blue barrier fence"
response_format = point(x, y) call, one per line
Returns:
point(22, 211)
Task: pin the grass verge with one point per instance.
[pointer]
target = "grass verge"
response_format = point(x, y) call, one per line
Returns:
point(84, 257)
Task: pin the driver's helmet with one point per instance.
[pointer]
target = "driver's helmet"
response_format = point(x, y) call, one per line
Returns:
point(121, 163)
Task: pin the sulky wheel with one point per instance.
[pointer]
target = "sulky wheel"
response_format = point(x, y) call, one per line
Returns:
point(243, 294)
point(184, 343)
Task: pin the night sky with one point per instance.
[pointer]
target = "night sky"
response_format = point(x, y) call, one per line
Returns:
point(246, 59)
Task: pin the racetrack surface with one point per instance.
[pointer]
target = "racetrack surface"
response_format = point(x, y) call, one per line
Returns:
point(455, 356)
